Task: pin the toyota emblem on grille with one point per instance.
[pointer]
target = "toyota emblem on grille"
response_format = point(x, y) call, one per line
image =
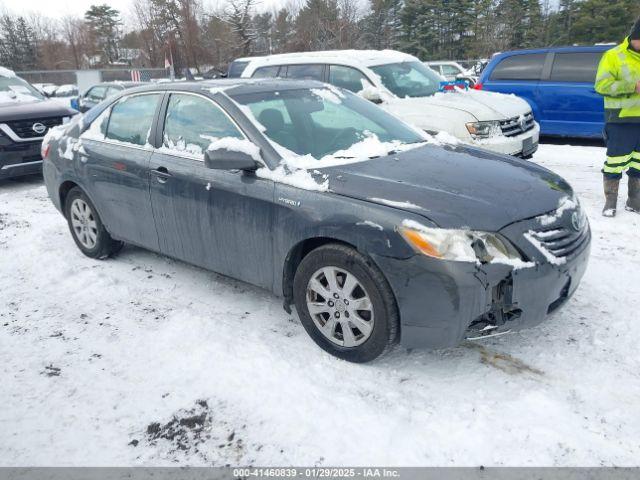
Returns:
point(576, 221)
point(38, 128)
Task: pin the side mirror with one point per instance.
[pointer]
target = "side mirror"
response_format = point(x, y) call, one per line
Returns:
point(371, 94)
point(223, 159)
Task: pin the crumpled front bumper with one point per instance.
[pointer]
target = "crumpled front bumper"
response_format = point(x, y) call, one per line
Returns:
point(443, 302)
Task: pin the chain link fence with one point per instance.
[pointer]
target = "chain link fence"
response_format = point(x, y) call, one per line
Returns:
point(63, 77)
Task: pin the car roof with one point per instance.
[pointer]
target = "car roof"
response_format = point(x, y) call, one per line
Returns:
point(363, 58)
point(233, 86)
point(125, 84)
point(561, 49)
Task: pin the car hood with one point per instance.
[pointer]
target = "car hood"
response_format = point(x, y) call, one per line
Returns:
point(454, 186)
point(484, 106)
point(10, 111)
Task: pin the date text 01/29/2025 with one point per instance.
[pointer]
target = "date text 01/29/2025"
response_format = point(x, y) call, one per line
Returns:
point(316, 472)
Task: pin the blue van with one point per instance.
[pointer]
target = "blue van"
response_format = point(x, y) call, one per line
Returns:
point(558, 84)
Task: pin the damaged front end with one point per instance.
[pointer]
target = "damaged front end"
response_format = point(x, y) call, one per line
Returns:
point(444, 301)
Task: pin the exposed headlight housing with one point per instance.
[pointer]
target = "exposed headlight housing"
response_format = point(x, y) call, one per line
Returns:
point(459, 245)
point(484, 129)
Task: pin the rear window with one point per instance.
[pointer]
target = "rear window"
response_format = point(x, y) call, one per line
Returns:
point(131, 118)
point(520, 67)
point(236, 69)
point(575, 67)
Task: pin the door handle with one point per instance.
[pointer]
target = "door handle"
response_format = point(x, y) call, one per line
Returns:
point(161, 174)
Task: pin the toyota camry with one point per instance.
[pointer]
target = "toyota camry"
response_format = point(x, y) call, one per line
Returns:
point(374, 231)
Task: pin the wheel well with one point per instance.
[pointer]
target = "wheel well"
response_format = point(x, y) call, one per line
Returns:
point(64, 191)
point(295, 256)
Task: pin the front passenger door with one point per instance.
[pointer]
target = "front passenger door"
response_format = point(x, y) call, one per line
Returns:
point(217, 219)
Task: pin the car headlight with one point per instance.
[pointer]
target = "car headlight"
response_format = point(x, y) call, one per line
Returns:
point(458, 245)
point(483, 129)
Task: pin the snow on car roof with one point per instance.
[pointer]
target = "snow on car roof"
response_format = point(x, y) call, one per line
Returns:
point(5, 72)
point(365, 58)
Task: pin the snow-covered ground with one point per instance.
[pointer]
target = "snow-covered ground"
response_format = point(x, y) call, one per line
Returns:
point(143, 360)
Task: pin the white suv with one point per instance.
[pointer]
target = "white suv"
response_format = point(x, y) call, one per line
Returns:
point(404, 86)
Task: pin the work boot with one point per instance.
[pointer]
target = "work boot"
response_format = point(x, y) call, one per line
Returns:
point(633, 202)
point(610, 196)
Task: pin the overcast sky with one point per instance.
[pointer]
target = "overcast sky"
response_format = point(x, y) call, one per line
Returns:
point(62, 8)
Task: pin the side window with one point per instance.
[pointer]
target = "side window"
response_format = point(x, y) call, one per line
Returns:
point(348, 78)
point(450, 70)
point(193, 122)
point(266, 72)
point(305, 72)
point(97, 94)
point(520, 67)
point(575, 67)
point(131, 118)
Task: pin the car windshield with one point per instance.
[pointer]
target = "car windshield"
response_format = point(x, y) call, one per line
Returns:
point(327, 122)
point(14, 89)
point(408, 79)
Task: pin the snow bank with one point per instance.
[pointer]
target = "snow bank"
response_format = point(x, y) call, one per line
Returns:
point(476, 404)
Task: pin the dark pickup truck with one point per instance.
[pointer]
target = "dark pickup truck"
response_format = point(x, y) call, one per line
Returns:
point(25, 117)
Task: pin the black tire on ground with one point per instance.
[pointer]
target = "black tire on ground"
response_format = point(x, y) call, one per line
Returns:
point(386, 317)
point(105, 246)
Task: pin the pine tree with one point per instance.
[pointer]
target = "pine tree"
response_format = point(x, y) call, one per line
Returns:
point(104, 24)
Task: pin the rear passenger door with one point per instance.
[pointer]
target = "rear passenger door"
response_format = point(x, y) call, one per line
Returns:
point(568, 103)
point(519, 74)
point(115, 162)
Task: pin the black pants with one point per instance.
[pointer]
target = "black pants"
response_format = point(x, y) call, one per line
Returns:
point(623, 149)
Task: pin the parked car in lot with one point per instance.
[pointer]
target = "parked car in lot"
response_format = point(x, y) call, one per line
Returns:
point(453, 71)
point(558, 84)
point(404, 86)
point(373, 230)
point(97, 93)
point(25, 117)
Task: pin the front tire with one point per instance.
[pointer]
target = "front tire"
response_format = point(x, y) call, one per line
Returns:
point(86, 228)
point(345, 303)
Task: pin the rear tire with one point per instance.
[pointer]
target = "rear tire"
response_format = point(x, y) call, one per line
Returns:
point(86, 227)
point(345, 303)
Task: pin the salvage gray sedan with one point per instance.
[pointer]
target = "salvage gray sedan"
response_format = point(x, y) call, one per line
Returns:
point(375, 232)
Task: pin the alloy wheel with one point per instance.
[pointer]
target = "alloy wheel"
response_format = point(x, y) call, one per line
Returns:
point(84, 223)
point(340, 306)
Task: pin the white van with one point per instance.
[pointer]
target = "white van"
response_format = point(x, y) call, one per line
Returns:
point(404, 86)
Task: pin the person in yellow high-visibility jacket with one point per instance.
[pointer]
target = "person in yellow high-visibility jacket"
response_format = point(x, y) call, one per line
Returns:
point(618, 80)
